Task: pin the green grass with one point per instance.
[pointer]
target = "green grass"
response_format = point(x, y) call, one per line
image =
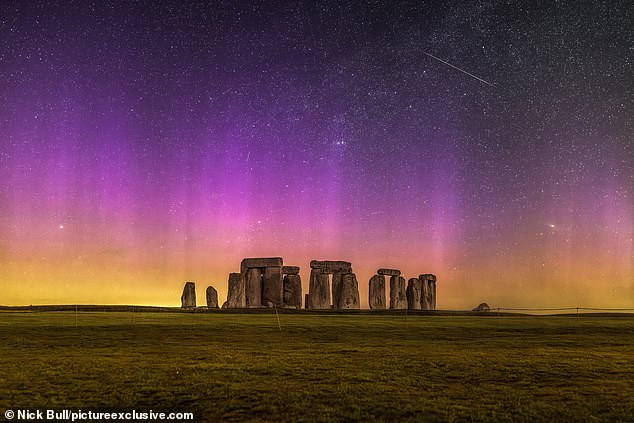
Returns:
point(325, 367)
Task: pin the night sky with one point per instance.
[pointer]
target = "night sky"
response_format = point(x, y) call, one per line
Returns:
point(143, 144)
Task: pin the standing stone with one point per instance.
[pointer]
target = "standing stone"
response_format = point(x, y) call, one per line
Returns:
point(337, 279)
point(428, 293)
point(308, 304)
point(376, 298)
point(414, 288)
point(254, 287)
point(432, 289)
point(348, 293)
point(398, 298)
point(290, 270)
point(212, 297)
point(236, 297)
point(292, 291)
point(319, 290)
point(188, 299)
point(272, 287)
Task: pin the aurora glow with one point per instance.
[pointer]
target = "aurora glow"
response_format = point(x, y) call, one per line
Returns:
point(143, 144)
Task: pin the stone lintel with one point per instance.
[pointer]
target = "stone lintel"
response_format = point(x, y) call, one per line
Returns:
point(260, 262)
point(331, 266)
point(389, 272)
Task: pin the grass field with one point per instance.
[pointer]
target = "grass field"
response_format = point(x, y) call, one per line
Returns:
point(321, 367)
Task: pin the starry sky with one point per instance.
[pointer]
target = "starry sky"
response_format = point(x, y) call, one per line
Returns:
point(147, 143)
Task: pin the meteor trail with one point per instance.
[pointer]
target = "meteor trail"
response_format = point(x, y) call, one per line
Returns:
point(461, 70)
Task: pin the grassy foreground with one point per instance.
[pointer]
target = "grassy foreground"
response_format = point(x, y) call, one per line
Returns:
point(324, 367)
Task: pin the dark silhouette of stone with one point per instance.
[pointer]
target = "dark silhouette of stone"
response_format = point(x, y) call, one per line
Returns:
point(376, 293)
point(254, 287)
point(272, 287)
point(292, 291)
point(348, 292)
point(290, 270)
point(330, 266)
point(413, 293)
point(236, 297)
point(188, 299)
point(398, 297)
point(428, 293)
point(308, 304)
point(319, 290)
point(261, 262)
point(432, 285)
point(389, 272)
point(212, 297)
point(482, 307)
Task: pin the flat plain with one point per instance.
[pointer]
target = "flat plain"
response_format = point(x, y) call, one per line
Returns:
point(321, 366)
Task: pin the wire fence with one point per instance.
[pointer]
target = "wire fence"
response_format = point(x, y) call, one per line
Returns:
point(562, 310)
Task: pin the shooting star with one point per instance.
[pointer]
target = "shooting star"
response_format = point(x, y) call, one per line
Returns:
point(461, 70)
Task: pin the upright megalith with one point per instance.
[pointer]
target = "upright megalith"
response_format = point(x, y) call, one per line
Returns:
point(253, 286)
point(413, 294)
point(319, 290)
point(348, 298)
point(212, 297)
point(263, 280)
point(272, 287)
point(428, 291)
point(376, 292)
point(236, 296)
point(290, 270)
point(188, 299)
point(292, 291)
point(398, 297)
point(376, 297)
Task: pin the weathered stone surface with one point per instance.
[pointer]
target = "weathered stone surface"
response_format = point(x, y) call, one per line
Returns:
point(389, 272)
point(212, 297)
point(236, 297)
point(428, 293)
point(398, 297)
point(432, 286)
point(336, 288)
point(348, 293)
point(319, 290)
point(376, 293)
point(308, 304)
point(413, 293)
point(249, 263)
point(482, 307)
point(292, 291)
point(272, 287)
point(254, 287)
point(290, 270)
point(329, 266)
point(188, 299)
